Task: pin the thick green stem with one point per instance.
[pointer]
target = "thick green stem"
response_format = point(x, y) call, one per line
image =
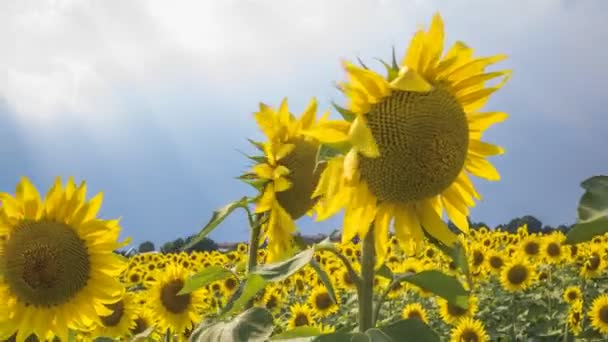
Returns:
point(365, 291)
point(254, 243)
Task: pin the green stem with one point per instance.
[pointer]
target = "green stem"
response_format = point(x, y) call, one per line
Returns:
point(380, 301)
point(254, 243)
point(365, 292)
point(349, 267)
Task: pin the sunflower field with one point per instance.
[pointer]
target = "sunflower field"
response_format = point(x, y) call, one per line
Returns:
point(398, 165)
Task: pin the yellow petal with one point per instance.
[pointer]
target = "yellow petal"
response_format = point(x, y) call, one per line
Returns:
point(266, 120)
point(351, 164)
point(308, 117)
point(362, 139)
point(433, 44)
point(382, 224)
point(458, 217)
point(410, 80)
point(266, 201)
point(473, 67)
point(28, 195)
point(280, 171)
point(465, 183)
point(479, 122)
point(281, 184)
point(373, 84)
point(466, 85)
point(407, 224)
point(481, 168)
point(284, 115)
point(412, 56)
point(329, 132)
point(263, 171)
point(284, 150)
point(433, 223)
point(482, 149)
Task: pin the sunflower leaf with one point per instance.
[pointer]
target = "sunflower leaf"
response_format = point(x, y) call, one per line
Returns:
point(255, 324)
point(385, 272)
point(334, 337)
point(245, 293)
point(216, 218)
point(297, 332)
point(204, 278)
point(391, 73)
point(592, 211)
point(346, 114)
point(443, 285)
point(362, 64)
point(324, 279)
point(257, 144)
point(144, 335)
point(401, 329)
point(281, 270)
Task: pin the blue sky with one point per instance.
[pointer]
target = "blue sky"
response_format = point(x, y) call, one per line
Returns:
point(149, 102)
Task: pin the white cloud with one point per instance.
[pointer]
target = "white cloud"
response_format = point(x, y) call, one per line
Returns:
point(83, 60)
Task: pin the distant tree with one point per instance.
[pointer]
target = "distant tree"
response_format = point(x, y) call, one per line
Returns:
point(205, 245)
point(145, 247)
point(178, 244)
point(534, 224)
point(167, 247)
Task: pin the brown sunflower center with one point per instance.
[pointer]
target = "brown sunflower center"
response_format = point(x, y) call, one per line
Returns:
point(594, 262)
point(140, 326)
point(553, 249)
point(455, 310)
point(272, 302)
point(173, 302)
point(304, 175)
point(113, 319)
point(572, 295)
point(469, 335)
point(603, 314)
point(517, 274)
point(414, 314)
point(230, 284)
point(531, 248)
point(46, 263)
point(301, 319)
point(478, 258)
point(323, 301)
point(496, 262)
point(423, 140)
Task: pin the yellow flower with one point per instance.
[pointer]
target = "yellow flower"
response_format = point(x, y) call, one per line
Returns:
point(59, 269)
point(495, 261)
point(593, 263)
point(517, 275)
point(575, 317)
point(598, 314)
point(286, 174)
point(300, 315)
point(530, 246)
point(175, 312)
point(321, 303)
point(414, 138)
point(119, 323)
point(469, 330)
point(572, 294)
point(414, 311)
point(452, 314)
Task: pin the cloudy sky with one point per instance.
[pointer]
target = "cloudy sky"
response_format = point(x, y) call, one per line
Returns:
point(150, 101)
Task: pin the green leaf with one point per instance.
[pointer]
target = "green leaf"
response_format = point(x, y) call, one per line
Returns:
point(376, 335)
point(257, 144)
point(359, 337)
point(441, 284)
point(252, 325)
point(592, 211)
point(407, 330)
point(385, 272)
point(205, 277)
point(346, 114)
point(324, 279)
point(281, 270)
point(391, 73)
point(362, 64)
point(302, 331)
point(252, 285)
point(334, 337)
point(216, 218)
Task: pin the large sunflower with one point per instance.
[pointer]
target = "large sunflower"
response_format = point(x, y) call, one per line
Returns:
point(414, 138)
point(598, 314)
point(286, 175)
point(119, 323)
point(469, 330)
point(57, 260)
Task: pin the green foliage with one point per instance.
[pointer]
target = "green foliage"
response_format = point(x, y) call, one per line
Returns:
point(145, 247)
point(412, 330)
point(592, 211)
point(255, 324)
point(297, 332)
point(441, 284)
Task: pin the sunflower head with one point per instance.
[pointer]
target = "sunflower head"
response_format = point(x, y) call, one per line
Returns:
point(598, 314)
point(414, 137)
point(57, 258)
point(321, 303)
point(517, 275)
point(469, 330)
point(414, 311)
point(286, 174)
point(300, 315)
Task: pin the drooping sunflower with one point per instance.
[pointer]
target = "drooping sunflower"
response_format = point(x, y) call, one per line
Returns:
point(598, 314)
point(175, 312)
point(593, 263)
point(453, 314)
point(469, 330)
point(286, 174)
point(412, 140)
point(57, 260)
point(517, 275)
point(575, 317)
point(300, 315)
point(414, 311)
point(121, 321)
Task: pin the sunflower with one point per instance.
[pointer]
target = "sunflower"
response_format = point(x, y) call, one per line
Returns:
point(469, 330)
point(517, 275)
point(452, 314)
point(530, 246)
point(413, 140)
point(286, 175)
point(572, 294)
point(57, 260)
point(575, 317)
point(594, 263)
point(175, 312)
point(414, 311)
point(552, 249)
point(598, 314)
point(119, 323)
point(321, 302)
point(495, 261)
point(300, 315)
